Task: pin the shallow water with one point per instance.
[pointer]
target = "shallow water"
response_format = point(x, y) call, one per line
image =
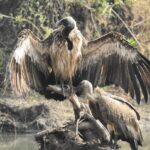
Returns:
point(27, 142)
point(17, 142)
point(146, 143)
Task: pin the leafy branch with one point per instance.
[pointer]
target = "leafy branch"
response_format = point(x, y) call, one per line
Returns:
point(127, 27)
point(20, 19)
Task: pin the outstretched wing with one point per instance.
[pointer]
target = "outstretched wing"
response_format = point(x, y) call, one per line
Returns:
point(27, 67)
point(112, 60)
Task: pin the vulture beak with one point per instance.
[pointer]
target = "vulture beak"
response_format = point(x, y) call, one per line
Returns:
point(58, 23)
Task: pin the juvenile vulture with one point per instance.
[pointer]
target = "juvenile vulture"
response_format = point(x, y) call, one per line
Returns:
point(117, 115)
point(67, 56)
point(89, 128)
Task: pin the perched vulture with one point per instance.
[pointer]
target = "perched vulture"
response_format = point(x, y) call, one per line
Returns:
point(117, 115)
point(89, 128)
point(36, 63)
point(67, 56)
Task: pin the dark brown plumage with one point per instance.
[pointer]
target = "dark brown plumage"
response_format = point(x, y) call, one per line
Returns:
point(107, 60)
point(112, 60)
point(89, 128)
point(116, 114)
point(36, 63)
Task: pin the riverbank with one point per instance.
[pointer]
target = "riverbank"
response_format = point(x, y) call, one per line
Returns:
point(35, 114)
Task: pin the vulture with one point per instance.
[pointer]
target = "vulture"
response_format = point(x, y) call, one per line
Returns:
point(87, 127)
point(66, 57)
point(117, 115)
point(36, 63)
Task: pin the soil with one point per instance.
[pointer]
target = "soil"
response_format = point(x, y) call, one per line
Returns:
point(47, 119)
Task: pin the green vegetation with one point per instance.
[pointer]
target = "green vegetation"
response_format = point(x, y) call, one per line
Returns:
point(132, 42)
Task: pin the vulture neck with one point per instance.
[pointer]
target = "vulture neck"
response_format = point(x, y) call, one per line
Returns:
point(77, 106)
point(66, 32)
point(75, 102)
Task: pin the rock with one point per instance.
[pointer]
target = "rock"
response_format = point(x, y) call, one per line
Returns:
point(23, 119)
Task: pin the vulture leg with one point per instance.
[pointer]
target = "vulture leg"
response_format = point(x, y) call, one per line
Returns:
point(71, 87)
point(113, 142)
point(62, 88)
point(116, 146)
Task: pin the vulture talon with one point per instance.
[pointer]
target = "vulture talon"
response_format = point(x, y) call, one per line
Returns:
point(63, 91)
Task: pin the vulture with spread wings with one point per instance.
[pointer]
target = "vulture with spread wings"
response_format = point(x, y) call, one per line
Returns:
point(67, 56)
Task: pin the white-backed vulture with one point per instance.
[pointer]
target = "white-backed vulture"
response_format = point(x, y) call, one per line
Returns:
point(117, 115)
point(36, 63)
point(89, 128)
point(67, 55)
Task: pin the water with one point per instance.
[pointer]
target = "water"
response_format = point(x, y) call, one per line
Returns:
point(27, 142)
point(146, 143)
point(18, 142)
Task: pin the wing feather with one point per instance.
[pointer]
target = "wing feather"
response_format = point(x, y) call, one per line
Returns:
point(112, 60)
point(27, 67)
point(134, 83)
point(123, 101)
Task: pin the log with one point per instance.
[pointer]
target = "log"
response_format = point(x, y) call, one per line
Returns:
point(91, 132)
point(65, 138)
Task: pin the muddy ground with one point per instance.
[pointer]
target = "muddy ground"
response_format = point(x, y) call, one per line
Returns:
point(36, 113)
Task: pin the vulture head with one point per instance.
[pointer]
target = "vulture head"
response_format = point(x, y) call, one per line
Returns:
point(68, 24)
point(84, 88)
